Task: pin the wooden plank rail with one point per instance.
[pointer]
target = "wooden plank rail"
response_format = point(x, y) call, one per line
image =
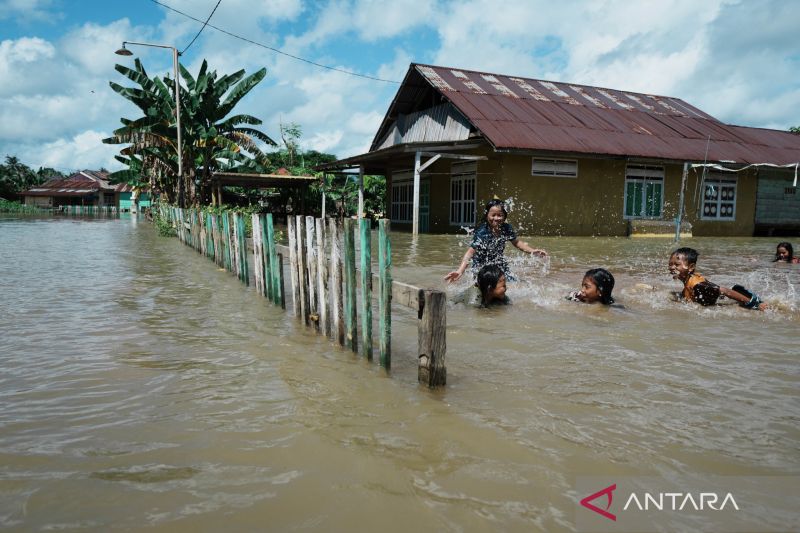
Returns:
point(325, 277)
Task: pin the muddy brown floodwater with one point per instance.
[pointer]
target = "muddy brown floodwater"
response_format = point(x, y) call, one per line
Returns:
point(144, 389)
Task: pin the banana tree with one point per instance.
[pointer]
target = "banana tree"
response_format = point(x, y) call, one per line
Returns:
point(211, 140)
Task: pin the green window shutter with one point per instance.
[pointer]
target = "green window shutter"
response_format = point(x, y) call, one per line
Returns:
point(653, 207)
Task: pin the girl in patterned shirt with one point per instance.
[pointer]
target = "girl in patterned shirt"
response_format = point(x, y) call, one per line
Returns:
point(489, 242)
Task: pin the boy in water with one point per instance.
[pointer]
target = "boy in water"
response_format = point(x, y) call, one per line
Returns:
point(696, 288)
point(492, 285)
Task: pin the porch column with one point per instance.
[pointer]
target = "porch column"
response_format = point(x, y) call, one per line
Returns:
point(415, 216)
point(679, 218)
point(360, 191)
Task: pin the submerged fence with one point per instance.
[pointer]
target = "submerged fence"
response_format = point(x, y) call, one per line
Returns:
point(328, 292)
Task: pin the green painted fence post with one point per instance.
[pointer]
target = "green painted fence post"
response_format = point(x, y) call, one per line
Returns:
point(385, 292)
point(364, 226)
point(263, 237)
point(276, 265)
point(350, 327)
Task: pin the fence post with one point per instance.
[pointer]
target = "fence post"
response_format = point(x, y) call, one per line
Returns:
point(385, 292)
point(279, 270)
point(302, 277)
point(258, 254)
point(337, 326)
point(311, 265)
point(364, 226)
point(276, 266)
point(245, 272)
point(322, 277)
point(350, 328)
point(290, 225)
point(432, 329)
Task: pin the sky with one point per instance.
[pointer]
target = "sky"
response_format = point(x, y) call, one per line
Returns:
point(736, 60)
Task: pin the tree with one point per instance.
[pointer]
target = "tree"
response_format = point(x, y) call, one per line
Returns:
point(16, 177)
point(211, 140)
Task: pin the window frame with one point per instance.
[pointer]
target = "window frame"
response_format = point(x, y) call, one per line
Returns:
point(404, 186)
point(730, 181)
point(465, 175)
point(644, 174)
point(555, 173)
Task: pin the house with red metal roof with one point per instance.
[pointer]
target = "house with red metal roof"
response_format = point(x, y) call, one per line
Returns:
point(84, 188)
point(575, 159)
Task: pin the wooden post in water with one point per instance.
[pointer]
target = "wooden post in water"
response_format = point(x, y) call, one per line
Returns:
point(432, 338)
point(258, 254)
point(322, 277)
point(364, 226)
point(212, 249)
point(245, 272)
point(302, 275)
point(311, 265)
point(281, 290)
point(234, 243)
point(350, 327)
point(337, 325)
point(385, 293)
point(276, 266)
point(290, 225)
point(265, 221)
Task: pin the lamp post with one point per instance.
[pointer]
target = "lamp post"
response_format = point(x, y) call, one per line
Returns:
point(125, 52)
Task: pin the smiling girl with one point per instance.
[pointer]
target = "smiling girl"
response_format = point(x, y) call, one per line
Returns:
point(489, 242)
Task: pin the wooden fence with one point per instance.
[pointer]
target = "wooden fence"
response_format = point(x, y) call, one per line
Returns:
point(88, 210)
point(328, 292)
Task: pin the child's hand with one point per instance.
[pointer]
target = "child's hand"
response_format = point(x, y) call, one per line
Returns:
point(453, 276)
point(538, 252)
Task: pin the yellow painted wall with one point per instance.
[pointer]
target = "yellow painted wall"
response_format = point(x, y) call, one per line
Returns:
point(591, 204)
point(743, 225)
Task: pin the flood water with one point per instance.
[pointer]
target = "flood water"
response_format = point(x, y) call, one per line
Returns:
point(144, 389)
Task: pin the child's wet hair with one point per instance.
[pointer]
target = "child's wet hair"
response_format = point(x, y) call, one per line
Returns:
point(605, 283)
point(497, 202)
point(690, 254)
point(789, 249)
point(488, 277)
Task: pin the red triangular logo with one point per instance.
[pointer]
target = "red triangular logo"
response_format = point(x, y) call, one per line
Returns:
point(608, 491)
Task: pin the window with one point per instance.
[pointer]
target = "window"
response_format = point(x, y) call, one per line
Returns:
point(462, 193)
point(562, 168)
point(402, 198)
point(644, 191)
point(719, 197)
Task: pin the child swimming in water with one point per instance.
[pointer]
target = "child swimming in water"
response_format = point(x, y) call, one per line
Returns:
point(492, 285)
point(696, 288)
point(785, 253)
point(489, 242)
point(596, 286)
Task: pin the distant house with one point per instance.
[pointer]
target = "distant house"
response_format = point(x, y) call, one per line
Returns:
point(87, 187)
point(576, 160)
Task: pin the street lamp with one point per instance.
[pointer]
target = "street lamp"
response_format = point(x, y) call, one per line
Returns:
point(125, 52)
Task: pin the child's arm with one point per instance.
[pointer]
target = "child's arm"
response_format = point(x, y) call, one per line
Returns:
point(742, 299)
point(523, 246)
point(456, 274)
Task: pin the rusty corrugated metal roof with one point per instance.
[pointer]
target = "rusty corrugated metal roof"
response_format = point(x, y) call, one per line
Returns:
point(515, 113)
point(78, 184)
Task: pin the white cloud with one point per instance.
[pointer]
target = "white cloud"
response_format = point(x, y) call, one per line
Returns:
point(735, 60)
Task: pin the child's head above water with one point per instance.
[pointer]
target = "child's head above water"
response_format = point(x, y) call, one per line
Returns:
point(495, 209)
point(596, 286)
point(784, 252)
point(492, 284)
point(682, 263)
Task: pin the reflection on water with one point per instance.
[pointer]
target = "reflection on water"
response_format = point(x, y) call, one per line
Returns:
point(144, 388)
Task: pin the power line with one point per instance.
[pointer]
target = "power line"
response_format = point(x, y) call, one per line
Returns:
point(245, 39)
point(201, 29)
